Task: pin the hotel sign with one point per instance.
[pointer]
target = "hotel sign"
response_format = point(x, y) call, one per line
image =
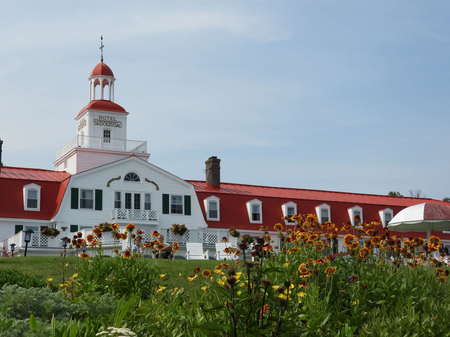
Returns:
point(107, 121)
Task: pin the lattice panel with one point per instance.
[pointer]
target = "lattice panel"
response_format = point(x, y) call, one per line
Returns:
point(181, 239)
point(210, 239)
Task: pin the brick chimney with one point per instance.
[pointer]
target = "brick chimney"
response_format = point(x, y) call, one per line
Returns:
point(213, 171)
point(1, 145)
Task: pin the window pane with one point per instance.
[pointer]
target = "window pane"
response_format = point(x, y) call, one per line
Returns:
point(137, 201)
point(117, 200)
point(256, 216)
point(128, 200)
point(148, 201)
point(324, 215)
point(107, 136)
point(87, 199)
point(32, 199)
point(213, 209)
point(176, 205)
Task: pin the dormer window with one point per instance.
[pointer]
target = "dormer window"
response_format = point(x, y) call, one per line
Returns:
point(32, 197)
point(386, 215)
point(132, 177)
point(323, 213)
point(254, 209)
point(212, 208)
point(289, 209)
point(356, 215)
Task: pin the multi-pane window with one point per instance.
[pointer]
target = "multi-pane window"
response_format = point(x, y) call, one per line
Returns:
point(256, 212)
point(213, 209)
point(147, 201)
point(176, 204)
point(387, 217)
point(106, 136)
point(137, 201)
point(117, 200)
point(357, 217)
point(87, 199)
point(32, 198)
point(324, 215)
point(128, 200)
point(290, 211)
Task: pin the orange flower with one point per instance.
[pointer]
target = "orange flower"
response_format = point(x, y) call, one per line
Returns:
point(127, 254)
point(175, 246)
point(130, 227)
point(89, 237)
point(206, 273)
point(278, 227)
point(364, 253)
point(349, 239)
point(84, 255)
point(330, 270)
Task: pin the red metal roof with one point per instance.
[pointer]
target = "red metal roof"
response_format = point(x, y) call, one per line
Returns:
point(102, 105)
point(233, 199)
point(102, 69)
point(12, 180)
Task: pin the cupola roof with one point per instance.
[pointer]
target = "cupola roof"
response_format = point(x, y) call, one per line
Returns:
point(102, 69)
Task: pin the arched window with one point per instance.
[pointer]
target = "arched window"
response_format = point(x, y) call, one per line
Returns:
point(132, 177)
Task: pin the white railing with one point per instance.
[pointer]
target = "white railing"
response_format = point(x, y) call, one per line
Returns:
point(135, 214)
point(112, 144)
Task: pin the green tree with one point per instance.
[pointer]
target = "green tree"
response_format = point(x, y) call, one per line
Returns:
point(395, 194)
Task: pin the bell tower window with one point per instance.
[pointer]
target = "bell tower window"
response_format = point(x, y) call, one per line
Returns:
point(106, 136)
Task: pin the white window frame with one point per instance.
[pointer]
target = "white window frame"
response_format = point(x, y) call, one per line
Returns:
point(249, 210)
point(106, 140)
point(26, 189)
point(182, 204)
point(206, 203)
point(144, 201)
point(284, 210)
point(93, 199)
point(319, 212)
point(382, 214)
point(351, 214)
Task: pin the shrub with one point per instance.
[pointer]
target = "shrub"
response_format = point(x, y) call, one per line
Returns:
point(20, 303)
point(118, 276)
point(10, 276)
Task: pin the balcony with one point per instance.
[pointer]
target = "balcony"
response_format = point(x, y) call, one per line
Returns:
point(99, 143)
point(147, 216)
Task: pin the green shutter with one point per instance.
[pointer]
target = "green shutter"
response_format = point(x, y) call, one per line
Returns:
point(165, 201)
point(73, 228)
point(187, 205)
point(18, 228)
point(74, 198)
point(98, 200)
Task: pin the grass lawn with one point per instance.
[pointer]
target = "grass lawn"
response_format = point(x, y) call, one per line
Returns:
point(52, 266)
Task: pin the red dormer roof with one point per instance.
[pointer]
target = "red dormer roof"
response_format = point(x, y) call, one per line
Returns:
point(102, 105)
point(102, 69)
point(12, 180)
point(233, 199)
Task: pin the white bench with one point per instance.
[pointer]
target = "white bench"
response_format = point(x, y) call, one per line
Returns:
point(220, 251)
point(194, 251)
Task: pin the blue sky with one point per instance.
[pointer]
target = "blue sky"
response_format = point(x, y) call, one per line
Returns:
point(340, 95)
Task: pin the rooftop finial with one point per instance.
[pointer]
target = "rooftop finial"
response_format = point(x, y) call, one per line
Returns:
point(101, 48)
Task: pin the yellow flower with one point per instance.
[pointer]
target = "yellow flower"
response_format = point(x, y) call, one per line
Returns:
point(204, 288)
point(282, 296)
point(292, 286)
point(221, 283)
point(192, 278)
point(66, 265)
point(275, 287)
point(161, 288)
point(238, 275)
point(286, 264)
point(74, 276)
point(243, 284)
point(354, 302)
point(218, 271)
point(162, 275)
point(239, 292)
point(301, 294)
point(50, 280)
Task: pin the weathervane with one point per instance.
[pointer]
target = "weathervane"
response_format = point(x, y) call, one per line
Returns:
point(101, 48)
